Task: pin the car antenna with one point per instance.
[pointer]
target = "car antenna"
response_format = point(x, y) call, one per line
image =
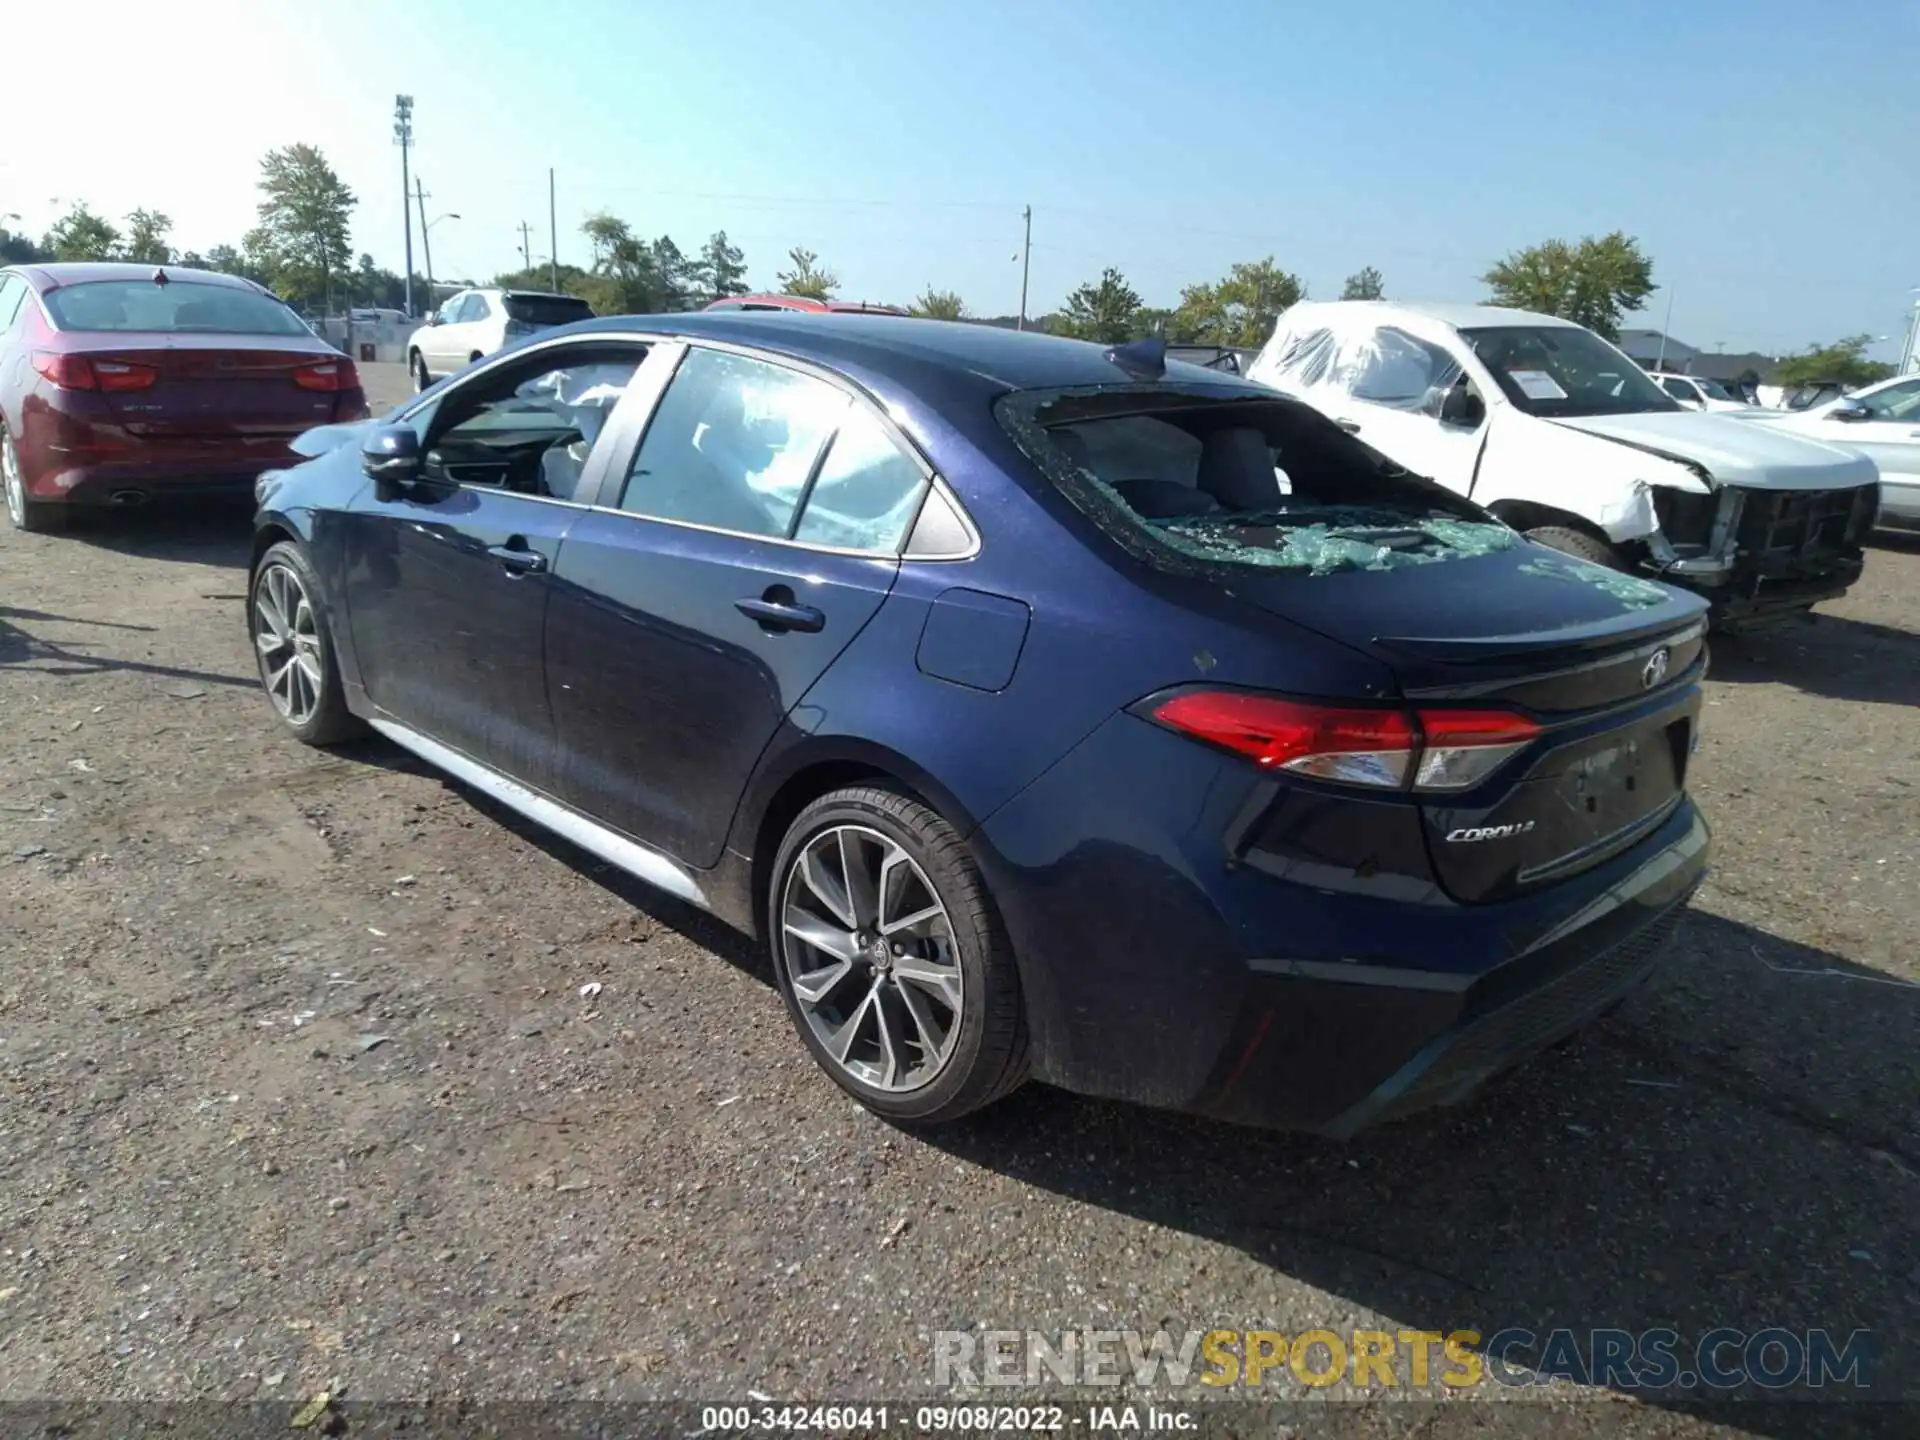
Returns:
point(1142, 359)
point(160, 276)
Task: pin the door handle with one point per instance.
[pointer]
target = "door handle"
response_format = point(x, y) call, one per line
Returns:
point(777, 614)
point(1352, 427)
point(517, 561)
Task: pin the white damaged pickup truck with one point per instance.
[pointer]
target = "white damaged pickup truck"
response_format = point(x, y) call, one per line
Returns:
point(1563, 437)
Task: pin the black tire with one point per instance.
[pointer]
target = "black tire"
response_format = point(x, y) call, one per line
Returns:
point(422, 377)
point(1578, 543)
point(328, 722)
point(988, 1059)
point(33, 517)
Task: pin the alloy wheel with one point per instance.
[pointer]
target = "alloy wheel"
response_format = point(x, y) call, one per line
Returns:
point(15, 483)
point(870, 956)
point(286, 633)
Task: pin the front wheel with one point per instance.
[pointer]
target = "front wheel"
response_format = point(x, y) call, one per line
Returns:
point(1579, 543)
point(294, 645)
point(421, 378)
point(893, 963)
point(34, 517)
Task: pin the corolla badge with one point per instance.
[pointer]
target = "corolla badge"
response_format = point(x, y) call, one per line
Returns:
point(1468, 834)
point(1655, 670)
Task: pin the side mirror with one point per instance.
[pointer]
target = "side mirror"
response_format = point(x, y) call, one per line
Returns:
point(434, 317)
point(1848, 409)
point(391, 455)
point(1463, 406)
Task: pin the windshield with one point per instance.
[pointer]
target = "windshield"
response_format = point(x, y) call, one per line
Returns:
point(1715, 390)
point(1196, 483)
point(1561, 370)
point(178, 305)
point(547, 309)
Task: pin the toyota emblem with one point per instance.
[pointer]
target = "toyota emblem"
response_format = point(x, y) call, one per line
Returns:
point(1655, 670)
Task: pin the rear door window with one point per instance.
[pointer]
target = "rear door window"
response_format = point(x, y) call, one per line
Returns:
point(547, 309)
point(867, 492)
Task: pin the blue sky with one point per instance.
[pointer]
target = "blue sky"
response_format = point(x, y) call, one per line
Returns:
point(1762, 153)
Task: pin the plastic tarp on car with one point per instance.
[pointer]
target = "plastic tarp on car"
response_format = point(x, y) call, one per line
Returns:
point(1326, 352)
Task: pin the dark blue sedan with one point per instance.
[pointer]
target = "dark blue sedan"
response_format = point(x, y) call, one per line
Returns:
point(1052, 710)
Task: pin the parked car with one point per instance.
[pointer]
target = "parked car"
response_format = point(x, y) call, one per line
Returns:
point(1698, 392)
point(1564, 437)
point(121, 384)
point(1231, 359)
point(803, 305)
point(475, 323)
point(1882, 421)
point(1046, 709)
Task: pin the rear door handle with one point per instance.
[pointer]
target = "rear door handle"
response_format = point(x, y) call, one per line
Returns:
point(516, 561)
point(1352, 427)
point(781, 615)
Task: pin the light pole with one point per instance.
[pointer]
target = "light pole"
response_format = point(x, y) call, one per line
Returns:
point(403, 137)
point(426, 248)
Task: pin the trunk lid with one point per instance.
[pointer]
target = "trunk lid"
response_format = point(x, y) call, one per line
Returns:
point(1606, 663)
point(216, 387)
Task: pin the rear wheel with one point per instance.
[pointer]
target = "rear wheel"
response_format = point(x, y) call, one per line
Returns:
point(35, 517)
point(1579, 543)
point(294, 645)
point(892, 960)
point(421, 379)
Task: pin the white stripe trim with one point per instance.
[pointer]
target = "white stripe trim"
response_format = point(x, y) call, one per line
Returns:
point(624, 854)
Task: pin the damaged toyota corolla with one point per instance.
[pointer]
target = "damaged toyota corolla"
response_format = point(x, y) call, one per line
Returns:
point(1049, 710)
point(1563, 436)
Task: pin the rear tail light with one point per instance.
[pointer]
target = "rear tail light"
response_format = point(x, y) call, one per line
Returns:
point(329, 376)
point(1432, 750)
point(80, 372)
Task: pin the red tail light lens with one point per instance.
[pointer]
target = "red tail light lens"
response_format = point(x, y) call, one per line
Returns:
point(328, 376)
point(1385, 749)
point(81, 372)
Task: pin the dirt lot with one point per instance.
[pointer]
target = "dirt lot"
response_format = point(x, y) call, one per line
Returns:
point(300, 1092)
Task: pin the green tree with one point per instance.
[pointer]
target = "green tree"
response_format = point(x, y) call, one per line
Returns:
point(1104, 310)
point(1844, 360)
point(1239, 310)
point(571, 279)
point(1594, 283)
point(626, 276)
point(679, 277)
point(82, 235)
point(806, 277)
point(1364, 284)
point(1152, 323)
point(146, 241)
point(17, 248)
point(228, 261)
point(301, 242)
point(721, 269)
point(939, 305)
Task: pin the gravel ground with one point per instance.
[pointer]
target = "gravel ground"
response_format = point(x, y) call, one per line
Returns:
point(301, 1094)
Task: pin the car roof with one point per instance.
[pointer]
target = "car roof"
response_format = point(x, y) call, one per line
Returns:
point(1459, 316)
point(54, 274)
point(882, 344)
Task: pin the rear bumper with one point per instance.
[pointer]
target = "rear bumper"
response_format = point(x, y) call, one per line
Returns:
point(1158, 971)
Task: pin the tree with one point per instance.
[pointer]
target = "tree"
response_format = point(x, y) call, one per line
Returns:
point(721, 269)
point(1104, 310)
point(146, 241)
point(305, 211)
point(1594, 283)
point(1364, 284)
point(19, 249)
point(82, 235)
point(679, 280)
point(229, 261)
point(806, 277)
point(1239, 310)
point(626, 276)
point(939, 305)
point(1844, 360)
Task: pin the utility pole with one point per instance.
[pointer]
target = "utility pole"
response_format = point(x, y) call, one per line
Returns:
point(553, 238)
point(1659, 362)
point(526, 252)
point(426, 240)
point(403, 137)
point(1026, 256)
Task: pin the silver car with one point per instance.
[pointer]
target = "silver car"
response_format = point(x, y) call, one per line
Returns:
point(1882, 421)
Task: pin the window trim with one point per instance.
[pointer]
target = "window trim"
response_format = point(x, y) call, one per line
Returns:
point(665, 349)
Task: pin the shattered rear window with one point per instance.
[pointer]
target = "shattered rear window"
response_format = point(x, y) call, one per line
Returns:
point(1203, 481)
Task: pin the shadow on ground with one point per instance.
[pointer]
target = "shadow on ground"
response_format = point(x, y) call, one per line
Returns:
point(214, 534)
point(1739, 1146)
point(22, 649)
point(1828, 655)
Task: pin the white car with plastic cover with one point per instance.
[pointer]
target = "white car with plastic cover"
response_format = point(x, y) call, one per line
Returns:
point(1564, 437)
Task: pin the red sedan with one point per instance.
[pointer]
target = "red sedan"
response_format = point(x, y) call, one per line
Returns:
point(805, 305)
point(121, 384)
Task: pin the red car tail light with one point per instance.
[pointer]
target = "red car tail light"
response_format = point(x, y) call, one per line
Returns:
point(1383, 749)
point(79, 372)
point(329, 376)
